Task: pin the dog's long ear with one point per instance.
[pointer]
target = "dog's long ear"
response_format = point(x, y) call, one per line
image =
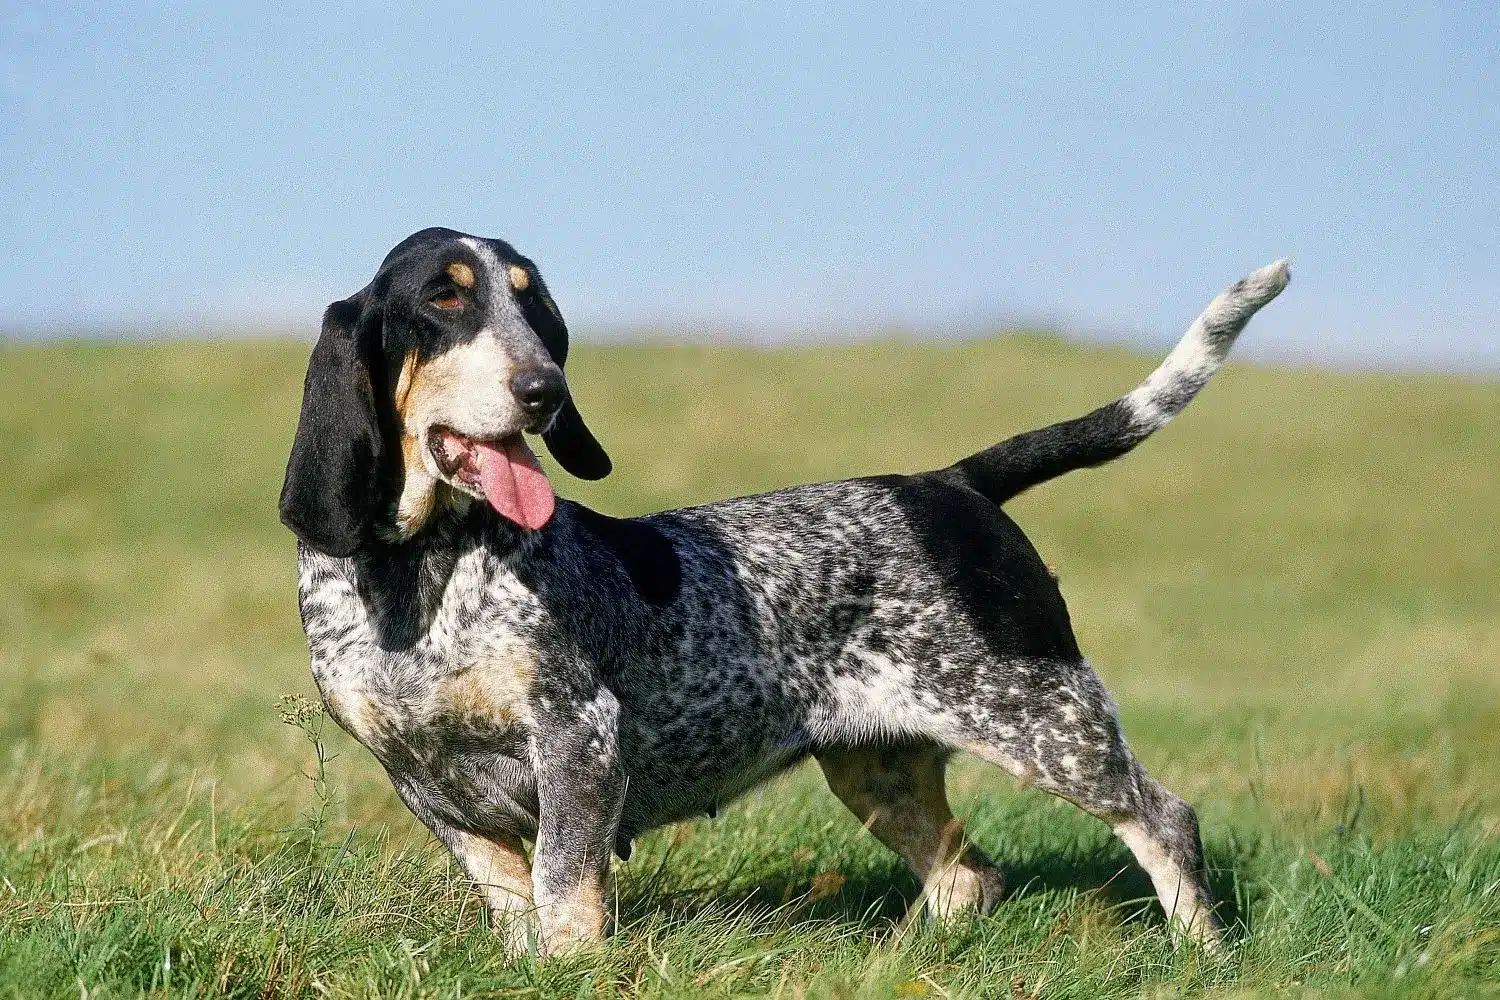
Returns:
point(574, 446)
point(568, 439)
point(332, 487)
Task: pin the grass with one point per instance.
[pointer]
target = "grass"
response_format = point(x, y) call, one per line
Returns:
point(1291, 592)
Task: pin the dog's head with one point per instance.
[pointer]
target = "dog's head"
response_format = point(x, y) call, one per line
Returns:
point(426, 380)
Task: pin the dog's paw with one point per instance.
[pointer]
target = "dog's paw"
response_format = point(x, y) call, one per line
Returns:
point(519, 932)
point(967, 888)
point(533, 933)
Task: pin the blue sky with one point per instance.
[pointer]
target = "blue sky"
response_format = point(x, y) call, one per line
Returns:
point(778, 170)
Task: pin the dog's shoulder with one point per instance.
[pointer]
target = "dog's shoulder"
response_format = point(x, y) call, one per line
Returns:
point(641, 548)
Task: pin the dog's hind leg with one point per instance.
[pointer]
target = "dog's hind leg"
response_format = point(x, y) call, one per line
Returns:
point(899, 794)
point(1071, 745)
point(1161, 830)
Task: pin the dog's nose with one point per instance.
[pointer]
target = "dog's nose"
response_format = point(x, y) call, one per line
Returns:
point(538, 390)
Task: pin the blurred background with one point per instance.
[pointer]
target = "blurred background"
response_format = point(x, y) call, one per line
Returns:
point(794, 243)
point(773, 172)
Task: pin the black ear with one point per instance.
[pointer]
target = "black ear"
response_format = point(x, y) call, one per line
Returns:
point(574, 446)
point(569, 438)
point(332, 488)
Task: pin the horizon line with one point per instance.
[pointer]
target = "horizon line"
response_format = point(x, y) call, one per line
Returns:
point(1275, 352)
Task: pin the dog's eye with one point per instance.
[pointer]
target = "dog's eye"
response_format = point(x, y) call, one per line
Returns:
point(447, 301)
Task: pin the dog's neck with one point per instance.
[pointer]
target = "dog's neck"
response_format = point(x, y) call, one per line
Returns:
point(403, 583)
point(409, 589)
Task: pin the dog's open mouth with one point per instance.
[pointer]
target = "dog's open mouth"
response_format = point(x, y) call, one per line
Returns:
point(504, 470)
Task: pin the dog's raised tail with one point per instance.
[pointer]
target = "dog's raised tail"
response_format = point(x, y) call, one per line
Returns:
point(1019, 463)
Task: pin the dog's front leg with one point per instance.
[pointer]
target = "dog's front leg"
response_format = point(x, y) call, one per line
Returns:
point(580, 792)
point(497, 865)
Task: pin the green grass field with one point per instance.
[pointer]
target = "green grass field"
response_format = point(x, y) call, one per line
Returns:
point(1292, 593)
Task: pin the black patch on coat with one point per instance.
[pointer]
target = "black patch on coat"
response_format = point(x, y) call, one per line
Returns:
point(988, 566)
point(645, 553)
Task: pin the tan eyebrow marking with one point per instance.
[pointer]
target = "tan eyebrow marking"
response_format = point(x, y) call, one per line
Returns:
point(520, 278)
point(461, 273)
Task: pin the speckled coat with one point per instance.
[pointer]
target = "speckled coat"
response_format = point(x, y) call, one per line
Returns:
point(580, 684)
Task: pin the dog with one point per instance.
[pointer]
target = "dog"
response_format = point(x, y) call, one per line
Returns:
point(527, 669)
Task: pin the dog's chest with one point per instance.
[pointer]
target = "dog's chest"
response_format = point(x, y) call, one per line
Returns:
point(476, 699)
point(448, 715)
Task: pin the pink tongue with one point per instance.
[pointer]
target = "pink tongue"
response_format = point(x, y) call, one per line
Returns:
point(514, 484)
